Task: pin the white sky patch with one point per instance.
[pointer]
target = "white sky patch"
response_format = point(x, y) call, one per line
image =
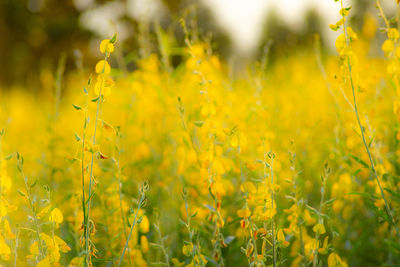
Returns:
point(242, 19)
point(103, 20)
point(145, 9)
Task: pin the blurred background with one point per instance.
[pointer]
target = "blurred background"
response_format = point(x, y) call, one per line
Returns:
point(35, 33)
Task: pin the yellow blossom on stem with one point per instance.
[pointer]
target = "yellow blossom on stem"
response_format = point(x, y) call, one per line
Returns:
point(244, 213)
point(281, 238)
point(103, 67)
point(56, 216)
point(106, 46)
point(319, 229)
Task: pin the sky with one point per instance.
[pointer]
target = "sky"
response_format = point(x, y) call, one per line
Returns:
point(243, 19)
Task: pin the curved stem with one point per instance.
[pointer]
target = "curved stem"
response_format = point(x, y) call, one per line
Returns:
point(389, 213)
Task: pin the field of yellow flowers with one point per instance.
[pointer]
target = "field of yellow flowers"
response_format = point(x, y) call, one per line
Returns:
point(294, 164)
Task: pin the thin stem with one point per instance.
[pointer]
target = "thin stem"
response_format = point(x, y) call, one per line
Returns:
point(120, 196)
point(293, 168)
point(378, 4)
point(91, 169)
point(272, 207)
point(264, 244)
point(320, 219)
point(157, 227)
point(35, 220)
point(389, 213)
point(85, 224)
point(16, 248)
point(133, 225)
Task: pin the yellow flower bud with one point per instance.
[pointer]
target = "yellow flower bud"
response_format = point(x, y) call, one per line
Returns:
point(244, 213)
point(106, 46)
point(144, 244)
point(388, 46)
point(144, 225)
point(393, 34)
point(319, 229)
point(56, 216)
point(103, 67)
point(187, 249)
point(281, 238)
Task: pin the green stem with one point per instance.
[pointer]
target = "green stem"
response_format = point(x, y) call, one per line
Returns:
point(87, 224)
point(133, 225)
point(272, 207)
point(389, 213)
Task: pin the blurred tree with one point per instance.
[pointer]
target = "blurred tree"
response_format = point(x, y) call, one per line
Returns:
point(34, 34)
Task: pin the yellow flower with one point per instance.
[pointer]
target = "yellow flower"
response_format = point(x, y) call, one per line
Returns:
point(393, 34)
point(352, 35)
point(335, 261)
point(5, 181)
point(61, 244)
point(308, 219)
point(105, 83)
point(238, 140)
point(56, 216)
point(44, 263)
point(103, 67)
point(244, 213)
point(177, 263)
point(311, 245)
point(281, 238)
point(248, 187)
point(106, 46)
point(76, 262)
point(388, 46)
point(144, 225)
point(144, 244)
point(341, 44)
point(319, 229)
point(44, 211)
point(187, 249)
point(324, 249)
point(4, 249)
point(235, 141)
point(8, 233)
point(34, 249)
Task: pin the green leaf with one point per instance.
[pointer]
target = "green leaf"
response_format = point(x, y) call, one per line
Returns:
point(329, 202)
point(334, 27)
point(95, 99)
point(76, 107)
point(393, 193)
point(198, 123)
point(113, 39)
point(33, 184)
point(182, 222)
point(344, 11)
point(8, 157)
point(360, 161)
point(77, 138)
point(21, 193)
